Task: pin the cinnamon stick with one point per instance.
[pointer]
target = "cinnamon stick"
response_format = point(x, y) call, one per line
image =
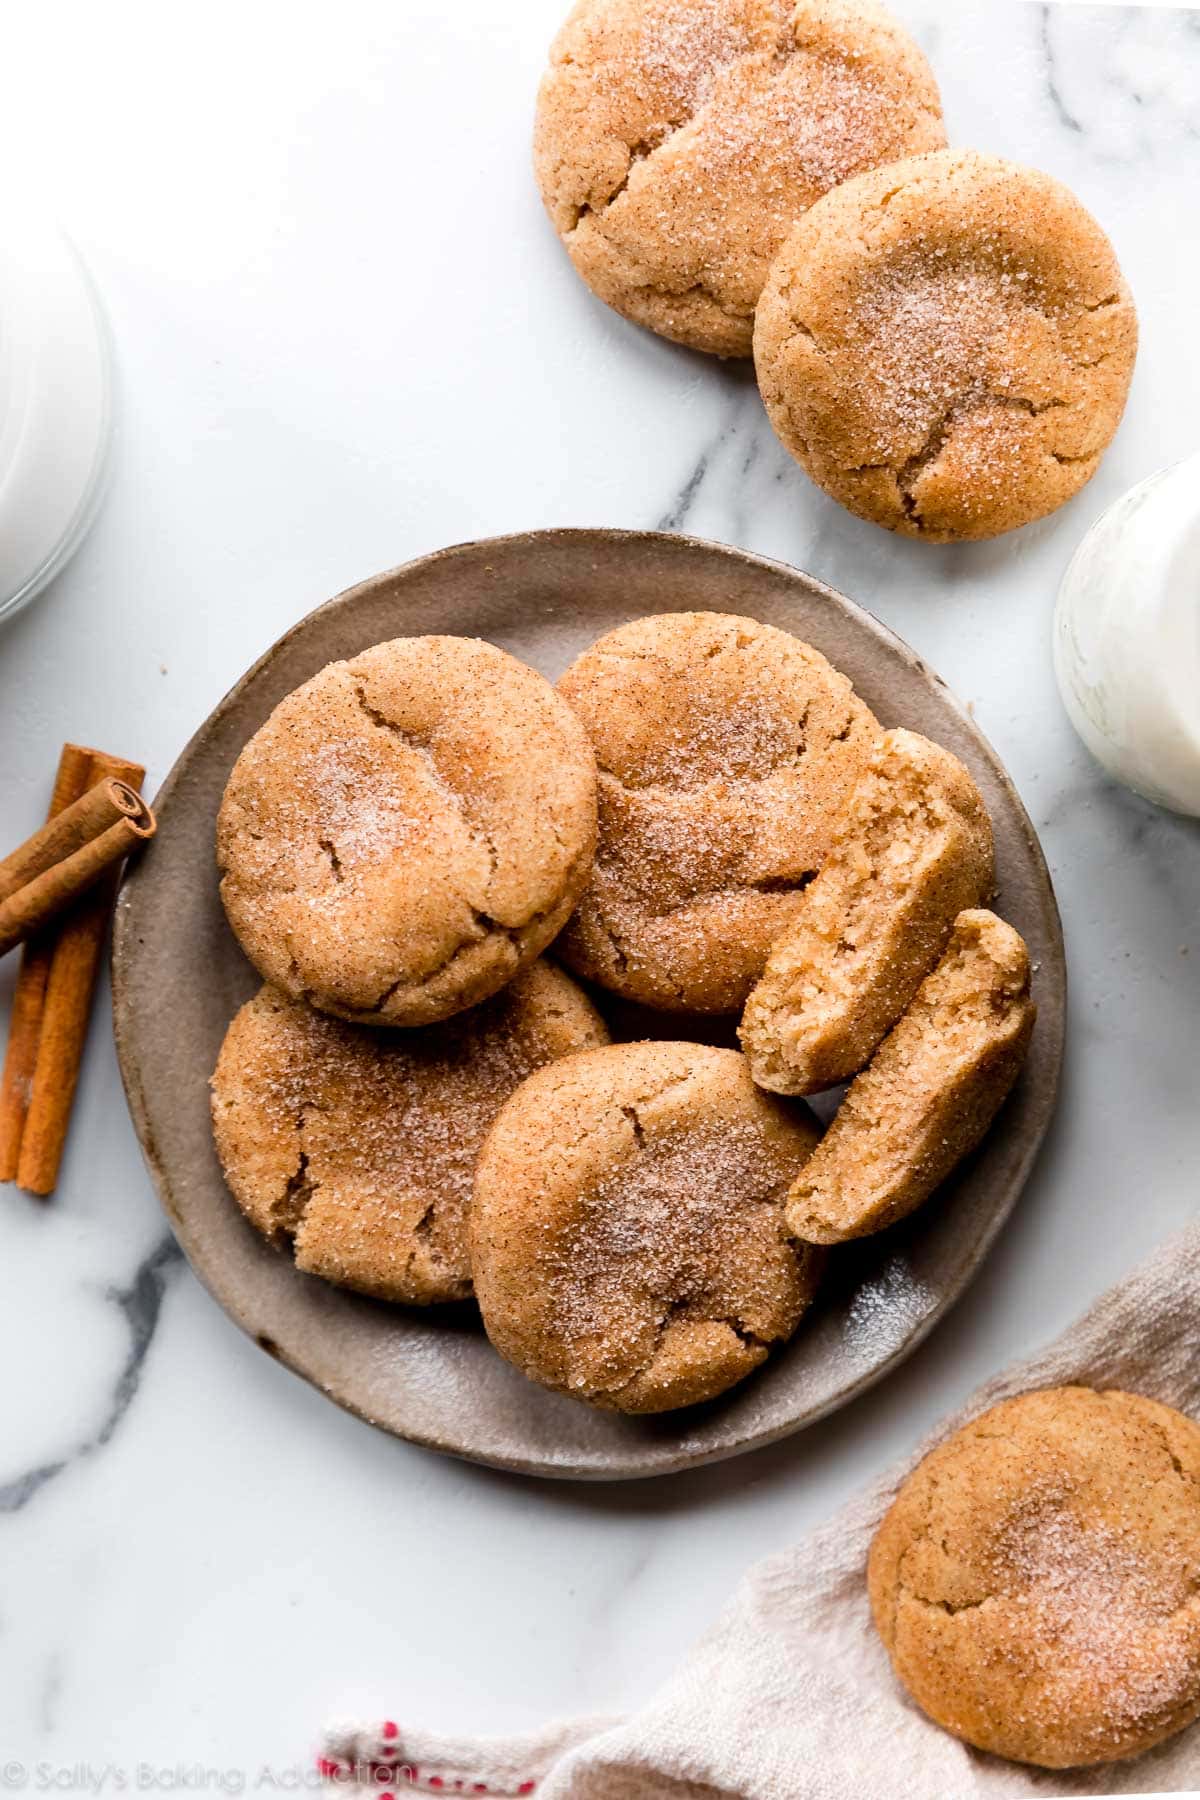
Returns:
point(68, 831)
point(125, 821)
point(53, 1002)
point(25, 1023)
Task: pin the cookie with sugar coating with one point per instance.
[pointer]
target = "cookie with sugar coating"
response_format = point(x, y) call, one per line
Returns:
point(726, 749)
point(912, 850)
point(357, 1148)
point(946, 345)
point(627, 1232)
point(929, 1094)
point(677, 141)
point(407, 830)
point(1037, 1579)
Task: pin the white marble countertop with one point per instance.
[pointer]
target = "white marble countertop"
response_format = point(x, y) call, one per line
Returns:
point(346, 336)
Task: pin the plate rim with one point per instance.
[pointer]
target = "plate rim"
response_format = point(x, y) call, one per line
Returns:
point(123, 949)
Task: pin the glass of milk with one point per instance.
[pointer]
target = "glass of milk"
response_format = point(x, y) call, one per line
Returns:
point(1127, 638)
point(55, 404)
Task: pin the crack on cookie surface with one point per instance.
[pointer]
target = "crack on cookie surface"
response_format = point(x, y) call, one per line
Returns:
point(773, 884)
point(742, 114)
point(673, 1249)
point(775, 57)
point(942, 320)
point(723, 758)
point(416, 984)
point(484, 923)
point(698, 288)
point(635, 1121)
point(477, 828)
point(287, 1212)
point(742, 1332)
point(384, 1127)
point(643, 150)
point(975, 399)
point(1080, 1655)
point(488, 929)
point(1067, 462)
point(639, 152)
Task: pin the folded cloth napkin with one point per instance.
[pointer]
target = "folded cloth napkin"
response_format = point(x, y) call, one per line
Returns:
point(791, 1696)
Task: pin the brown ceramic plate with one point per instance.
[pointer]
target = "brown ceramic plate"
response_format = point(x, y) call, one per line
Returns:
point(430, 1375)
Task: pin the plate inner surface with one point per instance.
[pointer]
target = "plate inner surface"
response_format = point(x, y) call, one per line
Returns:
point(431, 1376)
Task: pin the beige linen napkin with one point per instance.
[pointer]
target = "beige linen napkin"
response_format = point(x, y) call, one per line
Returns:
point(790, 1696)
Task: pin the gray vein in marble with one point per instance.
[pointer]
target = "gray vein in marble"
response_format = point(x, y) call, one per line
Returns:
point(675, 517)
point(141, 1304)
point(1125, 82)
point(1053, 88)
point(721, 463)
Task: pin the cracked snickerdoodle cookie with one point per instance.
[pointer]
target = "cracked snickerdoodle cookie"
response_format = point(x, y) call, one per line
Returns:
point(678, 140)
point(926, 1099)
point(407, 830)
point(946, 345)
point(1037, 1579)
point(627, 1232)
point(358, 1147)
point(912, 850)
point(726, 750)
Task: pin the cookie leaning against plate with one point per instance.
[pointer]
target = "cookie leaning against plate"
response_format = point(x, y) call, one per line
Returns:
point(726, 751)
point(1036, 1579)
point(678, 140)
point(407, 830)
point(946, 345)
point(912, 850)
point(929, 1094)
point(627, 1231)
point(358, 1147)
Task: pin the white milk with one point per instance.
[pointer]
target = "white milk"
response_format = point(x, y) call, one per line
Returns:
point(1127, 638)
point(55, 405)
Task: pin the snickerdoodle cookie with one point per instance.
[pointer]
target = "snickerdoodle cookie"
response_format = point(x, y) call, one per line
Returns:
point(358, 1147)
point(627, 1233)
point(930, 1093)
point(407, 830)
point(677, 141)
point(912, 851)
point(1037, 1579)
point(726, 751)
point(946, 345)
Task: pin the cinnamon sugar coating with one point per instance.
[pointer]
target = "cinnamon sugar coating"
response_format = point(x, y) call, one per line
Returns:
point(726, 751)
point(930, 1093)
point(1037, 1579)
point(946, 345)
point(407, 830)
point(678, 140)
point(627, 1232)
point(357, 1148)
point(912, 851)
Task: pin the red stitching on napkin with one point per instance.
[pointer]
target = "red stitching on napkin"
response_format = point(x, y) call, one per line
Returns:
point(391, 1766)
